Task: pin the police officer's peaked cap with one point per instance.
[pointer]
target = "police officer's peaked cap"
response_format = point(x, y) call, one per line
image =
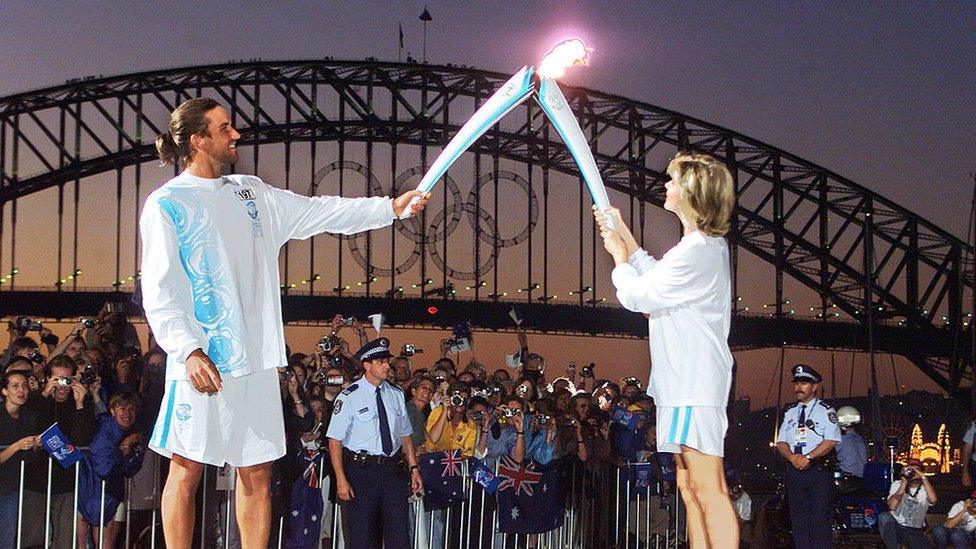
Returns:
point(806, 374)
point(374, 350)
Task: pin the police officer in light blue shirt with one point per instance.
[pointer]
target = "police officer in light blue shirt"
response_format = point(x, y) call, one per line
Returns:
point(807, 438)
point(371, 450)
point(852, 451)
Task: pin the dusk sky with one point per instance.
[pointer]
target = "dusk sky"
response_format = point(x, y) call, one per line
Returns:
point(879, 92)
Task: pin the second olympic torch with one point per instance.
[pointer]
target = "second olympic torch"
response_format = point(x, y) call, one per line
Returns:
point(512, 93)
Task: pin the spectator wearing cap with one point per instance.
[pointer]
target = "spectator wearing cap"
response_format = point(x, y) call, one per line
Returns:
point(909, 499)
point(807, 438)
point(369, 427)
point(959, 530)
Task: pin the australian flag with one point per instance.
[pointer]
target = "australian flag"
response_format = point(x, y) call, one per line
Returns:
point(443, 475)
point(60, 448)
point(529, 499)
point(305, 521)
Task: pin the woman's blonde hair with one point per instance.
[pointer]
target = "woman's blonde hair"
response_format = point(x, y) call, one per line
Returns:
point(706, 184)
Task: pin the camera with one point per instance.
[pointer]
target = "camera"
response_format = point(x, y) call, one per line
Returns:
point(907, 473)
point(87, 373)
point(89, 322)
point(287, 375)
point(28, 325)
point(64, 381)
point(410, 349)
point(511, 412)
point(457, 399)
point(348, 321)
point(115, 307)
point(440, 379)
point(329, 343)
point(36, 356)
point(543, 419)
point(587, 371)
point(478, 416)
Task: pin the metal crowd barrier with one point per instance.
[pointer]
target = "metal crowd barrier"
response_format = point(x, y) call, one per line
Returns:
point(602, 508)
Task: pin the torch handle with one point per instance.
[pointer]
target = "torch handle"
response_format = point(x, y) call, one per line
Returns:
point(557, 110)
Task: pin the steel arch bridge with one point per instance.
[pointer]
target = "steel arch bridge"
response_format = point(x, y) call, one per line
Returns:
point(861, 259)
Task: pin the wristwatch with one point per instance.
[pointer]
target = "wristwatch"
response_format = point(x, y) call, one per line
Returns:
point(414, 467)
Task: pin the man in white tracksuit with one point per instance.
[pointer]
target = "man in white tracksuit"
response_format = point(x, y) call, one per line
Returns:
point(211, 294)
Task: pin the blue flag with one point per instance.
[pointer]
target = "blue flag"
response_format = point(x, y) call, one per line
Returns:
point(485, 477)
point(624, 417)
point(60, 448)
point(443, 476)
point(529, 497)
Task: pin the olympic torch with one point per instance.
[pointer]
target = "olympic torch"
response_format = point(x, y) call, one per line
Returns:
point(517, 89)
point(553, 65)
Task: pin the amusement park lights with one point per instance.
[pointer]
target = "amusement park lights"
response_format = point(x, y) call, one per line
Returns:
point(511, 94)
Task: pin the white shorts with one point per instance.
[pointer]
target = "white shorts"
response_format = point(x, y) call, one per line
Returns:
point(700, 427)
point(241, 425)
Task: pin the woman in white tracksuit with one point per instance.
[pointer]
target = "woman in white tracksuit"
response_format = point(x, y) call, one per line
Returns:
point(687, 297)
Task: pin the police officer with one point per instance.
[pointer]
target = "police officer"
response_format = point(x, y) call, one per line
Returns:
point(368, 430)
point(806, 440)
point(852, 451)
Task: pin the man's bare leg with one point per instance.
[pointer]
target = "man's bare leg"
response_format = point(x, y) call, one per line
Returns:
point(178, 504)
point(253, 502)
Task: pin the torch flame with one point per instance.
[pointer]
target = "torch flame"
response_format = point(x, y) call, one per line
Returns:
point(562, 56)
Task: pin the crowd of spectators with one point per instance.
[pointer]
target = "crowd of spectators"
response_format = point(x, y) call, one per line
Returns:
point(103, 389)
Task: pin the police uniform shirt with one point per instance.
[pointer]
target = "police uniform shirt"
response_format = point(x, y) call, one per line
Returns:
point(852, 453)
point(355, 418)
point(801, 437)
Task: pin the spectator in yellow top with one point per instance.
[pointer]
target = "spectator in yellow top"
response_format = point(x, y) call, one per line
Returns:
point(448, 426)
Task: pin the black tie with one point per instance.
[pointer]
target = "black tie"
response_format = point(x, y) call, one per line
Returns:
point(384, 425)
point(798, 449)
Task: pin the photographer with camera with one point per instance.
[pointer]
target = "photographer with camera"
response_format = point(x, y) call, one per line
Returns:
point(506, 437)
point(115, 454)
point(909, 499)
point(542, 432)
point(448, 426)
point(64, 400)
point(959, 530)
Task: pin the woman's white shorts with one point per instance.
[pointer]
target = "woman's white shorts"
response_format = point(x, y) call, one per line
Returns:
point(700, 427)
